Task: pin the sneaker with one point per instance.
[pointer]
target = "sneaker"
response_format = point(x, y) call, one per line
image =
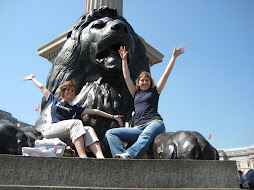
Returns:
point(125, 155)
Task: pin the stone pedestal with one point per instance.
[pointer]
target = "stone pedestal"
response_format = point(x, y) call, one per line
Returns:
point(19, 172)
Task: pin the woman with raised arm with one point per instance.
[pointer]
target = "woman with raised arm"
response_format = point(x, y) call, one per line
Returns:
point(61, 120)
point(148, 122)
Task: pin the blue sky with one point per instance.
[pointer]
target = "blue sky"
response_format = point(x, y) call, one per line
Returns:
point(211, 86)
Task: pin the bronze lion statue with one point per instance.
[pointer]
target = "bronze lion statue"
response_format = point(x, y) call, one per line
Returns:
point(90, 57)
point(183, 145)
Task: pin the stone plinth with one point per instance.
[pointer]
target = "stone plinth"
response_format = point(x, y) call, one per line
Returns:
point(19, 172)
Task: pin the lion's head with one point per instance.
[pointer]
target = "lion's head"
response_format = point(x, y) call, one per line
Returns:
point(90, 57)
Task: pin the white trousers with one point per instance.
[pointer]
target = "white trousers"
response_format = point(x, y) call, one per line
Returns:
point(69, 130)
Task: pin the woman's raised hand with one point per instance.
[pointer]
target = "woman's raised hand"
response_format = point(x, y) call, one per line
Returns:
point(123, 53)
point(178, 51)
point(30, 77)
point(118, 118)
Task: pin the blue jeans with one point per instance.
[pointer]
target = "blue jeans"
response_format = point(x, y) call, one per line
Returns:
point(140, 138)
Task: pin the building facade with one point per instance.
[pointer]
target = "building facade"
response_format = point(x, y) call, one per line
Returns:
point(244, 157)
point(7, 117)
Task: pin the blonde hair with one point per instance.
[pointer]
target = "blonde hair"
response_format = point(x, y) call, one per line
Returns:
point(67, 84)
point(148, 75)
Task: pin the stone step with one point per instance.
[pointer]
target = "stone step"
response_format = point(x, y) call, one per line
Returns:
point(18, 172)
point(100, 188)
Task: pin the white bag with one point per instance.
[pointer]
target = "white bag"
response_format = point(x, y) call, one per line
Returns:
point(29, 151)
point(40, 150)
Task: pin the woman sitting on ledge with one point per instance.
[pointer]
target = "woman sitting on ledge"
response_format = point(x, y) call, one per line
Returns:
point(148, 122)
point(61, 120)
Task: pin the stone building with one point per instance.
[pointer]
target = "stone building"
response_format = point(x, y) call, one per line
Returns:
point(6, 116)
point(244, 157)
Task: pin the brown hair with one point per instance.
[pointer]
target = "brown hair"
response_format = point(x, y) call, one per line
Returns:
point(148, 75)
point(67, 84)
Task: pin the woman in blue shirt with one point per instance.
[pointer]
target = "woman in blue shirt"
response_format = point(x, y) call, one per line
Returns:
point(61, 123)
point(148, 122)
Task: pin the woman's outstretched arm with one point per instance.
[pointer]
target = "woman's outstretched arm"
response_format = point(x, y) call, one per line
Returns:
point(126, 73)
point(103, 114)
point(160, 85)
point(38, 84)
